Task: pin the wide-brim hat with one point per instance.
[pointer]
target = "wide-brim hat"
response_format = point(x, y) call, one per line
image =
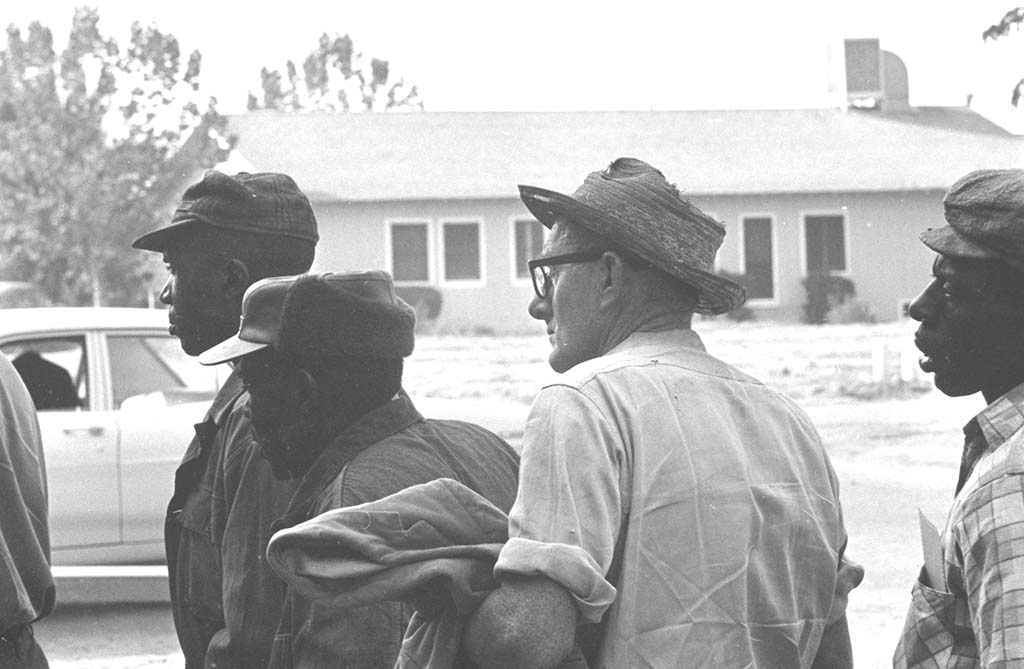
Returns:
point(631, 205)
point(321, 315)
point(985, 212)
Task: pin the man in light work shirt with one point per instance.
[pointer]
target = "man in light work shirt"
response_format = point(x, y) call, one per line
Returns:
point(27, 592)
point(966, 611)
point(682, 512)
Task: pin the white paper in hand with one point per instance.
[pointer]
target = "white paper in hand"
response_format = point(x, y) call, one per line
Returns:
point(931, 543)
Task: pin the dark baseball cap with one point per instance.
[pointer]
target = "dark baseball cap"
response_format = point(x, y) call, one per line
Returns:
point(265, 203)
point(322, 315)
point(985, 212)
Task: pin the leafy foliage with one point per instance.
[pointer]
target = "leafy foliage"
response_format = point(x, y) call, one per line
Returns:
point(91, 141)
point(334, 77)
point(1012, 19)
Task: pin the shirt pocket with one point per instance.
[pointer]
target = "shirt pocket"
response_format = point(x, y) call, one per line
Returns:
point(195, 513)
point(929, 631)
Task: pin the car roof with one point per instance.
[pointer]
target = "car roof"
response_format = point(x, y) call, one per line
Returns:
point(64, 319)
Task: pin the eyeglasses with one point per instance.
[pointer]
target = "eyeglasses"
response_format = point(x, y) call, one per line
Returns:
point(540, 268)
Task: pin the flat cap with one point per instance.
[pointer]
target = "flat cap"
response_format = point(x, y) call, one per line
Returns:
point(985, 212)
point(265, 203)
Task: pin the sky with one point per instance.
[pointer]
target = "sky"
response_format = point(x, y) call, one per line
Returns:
point(558, 55)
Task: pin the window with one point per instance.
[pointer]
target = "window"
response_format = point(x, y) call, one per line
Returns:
point(53, 370)
point(140, 365)
point(529, 238)
point(409, 252)
point(461, 243)
point(758, 257)
point(825, 238)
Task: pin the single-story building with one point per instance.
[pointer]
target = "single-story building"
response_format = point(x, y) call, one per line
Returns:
point(432, 197)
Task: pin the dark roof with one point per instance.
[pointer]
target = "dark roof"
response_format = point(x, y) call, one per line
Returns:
point(389, 156)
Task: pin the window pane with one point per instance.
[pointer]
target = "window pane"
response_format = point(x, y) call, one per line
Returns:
point(757, 249)
point(143, 365)
point(529, 241)
point(53, 371)
point(461, 251)
point(826, 244)
point(409, 252)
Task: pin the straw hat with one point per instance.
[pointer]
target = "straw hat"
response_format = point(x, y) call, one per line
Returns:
point(632, 205)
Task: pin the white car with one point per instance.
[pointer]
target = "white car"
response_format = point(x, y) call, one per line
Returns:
point(117, 400)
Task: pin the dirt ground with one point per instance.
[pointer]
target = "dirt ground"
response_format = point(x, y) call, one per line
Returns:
point(895, 444)
point(894, 441)
point(893, 457)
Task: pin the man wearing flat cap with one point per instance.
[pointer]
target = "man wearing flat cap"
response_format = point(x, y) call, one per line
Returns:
point(966, 609)
point(226, 233)
point(672, 511)
point(322, 358)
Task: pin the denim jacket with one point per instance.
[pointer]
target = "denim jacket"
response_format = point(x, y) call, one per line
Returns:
point(193, 559)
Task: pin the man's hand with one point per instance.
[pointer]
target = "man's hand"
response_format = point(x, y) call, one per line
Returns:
point(527, 622)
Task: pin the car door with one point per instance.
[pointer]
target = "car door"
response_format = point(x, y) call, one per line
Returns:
point(80, 439)
point(158, 394)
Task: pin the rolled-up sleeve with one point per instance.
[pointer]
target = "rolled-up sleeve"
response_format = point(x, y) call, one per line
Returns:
point(566, 518)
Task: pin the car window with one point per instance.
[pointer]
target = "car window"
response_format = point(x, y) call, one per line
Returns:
point(54, 371)
point(142, 365)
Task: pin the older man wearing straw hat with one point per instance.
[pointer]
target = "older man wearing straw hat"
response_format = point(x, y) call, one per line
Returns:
point(672, 511)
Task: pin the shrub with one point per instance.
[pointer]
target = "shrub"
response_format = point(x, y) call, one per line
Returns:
point(825, 292)
point(852, 311)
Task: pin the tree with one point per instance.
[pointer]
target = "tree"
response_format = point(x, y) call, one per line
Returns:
point(89, 141)
point(1012, 19)
point(335, 77)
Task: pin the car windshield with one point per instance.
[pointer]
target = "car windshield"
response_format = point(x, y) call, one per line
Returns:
point(148, 364)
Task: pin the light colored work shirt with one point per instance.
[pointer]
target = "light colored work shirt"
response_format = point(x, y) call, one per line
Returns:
point(26, 585)
point(977, 619)
point(711, 491)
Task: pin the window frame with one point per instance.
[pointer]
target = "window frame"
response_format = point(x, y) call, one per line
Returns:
point(843, 213)
point(742, 244)
point(431, 251)
point(513, 262)
point(442, 254)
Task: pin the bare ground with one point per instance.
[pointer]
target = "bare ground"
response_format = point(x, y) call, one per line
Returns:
point(894, 443)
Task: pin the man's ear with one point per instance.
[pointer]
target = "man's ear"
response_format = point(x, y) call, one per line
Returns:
point(236, 278)
point(612, 277)
point(308, 390)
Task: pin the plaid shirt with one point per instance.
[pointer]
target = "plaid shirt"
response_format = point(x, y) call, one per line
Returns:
point(980, 620)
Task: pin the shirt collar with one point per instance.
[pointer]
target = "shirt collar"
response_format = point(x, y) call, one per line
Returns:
point(1004, 417)
point(380, 423)
point(225, 399)
point(668, 339)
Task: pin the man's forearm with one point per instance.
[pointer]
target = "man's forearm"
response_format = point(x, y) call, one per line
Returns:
point(527, 622)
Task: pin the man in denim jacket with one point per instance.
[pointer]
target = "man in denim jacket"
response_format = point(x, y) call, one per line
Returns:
point(322, 358)
point(227, 232)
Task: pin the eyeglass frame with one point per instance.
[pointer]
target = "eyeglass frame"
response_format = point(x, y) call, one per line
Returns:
point(539, 266)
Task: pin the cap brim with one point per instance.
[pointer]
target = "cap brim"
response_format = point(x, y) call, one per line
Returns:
point(159, 240)
point(229, 349)
point(947, 241)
